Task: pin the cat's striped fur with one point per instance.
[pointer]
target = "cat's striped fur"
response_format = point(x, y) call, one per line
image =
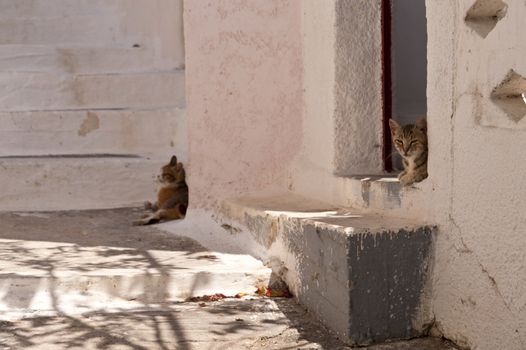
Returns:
point(411, 142)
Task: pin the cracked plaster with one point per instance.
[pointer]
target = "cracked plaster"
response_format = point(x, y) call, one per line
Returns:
point(475, 191)
point(476, 167)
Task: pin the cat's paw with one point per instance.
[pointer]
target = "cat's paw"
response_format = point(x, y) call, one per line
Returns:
point(147, 220)
point(140, 222)
point(420, 177)
point(405, 180)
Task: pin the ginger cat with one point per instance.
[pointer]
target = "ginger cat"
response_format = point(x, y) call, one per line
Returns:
point(172, 198)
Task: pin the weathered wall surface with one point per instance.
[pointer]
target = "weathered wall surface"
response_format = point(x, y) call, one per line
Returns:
point(477, 162)
point(78, 75)
point(358, 88)
point(247, 126)
point(84, 84)
point(319, 71)
point(95, 24)
point(313, 168)
point(244, 94)
point(342, 121)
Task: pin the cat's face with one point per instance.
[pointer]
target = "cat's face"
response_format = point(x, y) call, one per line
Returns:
point(172, 172)
point(409, 140)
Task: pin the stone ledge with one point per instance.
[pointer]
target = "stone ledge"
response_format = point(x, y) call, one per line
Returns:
point(81, 60)
point(378, 190)
point(365, 276)
point(72, 262)
point(156, 131)
point(381, 193)
point(77, 181)
point(48, 92)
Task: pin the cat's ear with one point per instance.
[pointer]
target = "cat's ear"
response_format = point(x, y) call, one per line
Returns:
point(173, 161)
point(394, 126)
point(421, 123)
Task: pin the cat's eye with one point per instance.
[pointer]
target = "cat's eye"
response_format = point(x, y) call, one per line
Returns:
point(398, 142)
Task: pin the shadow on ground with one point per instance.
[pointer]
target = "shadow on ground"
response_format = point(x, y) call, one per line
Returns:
point(39, 247)
point(228, 324)
point(94, 241)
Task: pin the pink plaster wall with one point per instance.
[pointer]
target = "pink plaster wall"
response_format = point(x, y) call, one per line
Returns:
point(244, 94)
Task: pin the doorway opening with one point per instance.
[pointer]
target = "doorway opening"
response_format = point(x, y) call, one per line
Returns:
point(404, 61)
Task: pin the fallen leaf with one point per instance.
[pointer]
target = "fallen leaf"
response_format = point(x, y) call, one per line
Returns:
point(274, 293)
point(213, 297)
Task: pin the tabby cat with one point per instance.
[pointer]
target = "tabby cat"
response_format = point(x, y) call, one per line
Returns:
point(172, 198)
point(411, 143)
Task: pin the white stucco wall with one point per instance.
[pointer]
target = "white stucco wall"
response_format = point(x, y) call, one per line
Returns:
point(342, 120)
point(358, 90)
point(84, 84)
point(97, 24)
point(478, 153)
point(244, 93)
point(319, 69)
point(76, 77)
point(242, 142)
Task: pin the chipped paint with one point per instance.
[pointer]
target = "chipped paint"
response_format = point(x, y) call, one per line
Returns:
point(89, 124)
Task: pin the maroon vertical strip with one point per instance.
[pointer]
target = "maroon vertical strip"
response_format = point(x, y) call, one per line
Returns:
point(386, 83)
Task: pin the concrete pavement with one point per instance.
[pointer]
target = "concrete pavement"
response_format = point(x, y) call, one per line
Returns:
point(91, 280)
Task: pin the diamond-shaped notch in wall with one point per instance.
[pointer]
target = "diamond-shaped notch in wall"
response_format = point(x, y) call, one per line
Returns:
point(510, 96)
point(483, 15)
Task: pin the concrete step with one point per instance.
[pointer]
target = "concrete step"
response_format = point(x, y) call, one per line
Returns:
point(365, 276)
point(258, 324)
point(382, 194)
point(75, 262)
point(81, 60)
point(377, 194)
point(374, 192)
point(86, 30)
point(77, 181)
point(87, 23)
point(102, 281)
point(369, 191)
point(227, 324)
point(157, 131)
point(29, 9)
point(46, 91)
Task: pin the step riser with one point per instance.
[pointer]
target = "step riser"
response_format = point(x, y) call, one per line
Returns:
point(58, 8)
point(16, 58)
point(386, 195)
point(69, 260)
point(55, 184)
point(67, 31)
point(375, 194)
point(87, 23)
point(100, 292)
point(30, 9)
point(29, 92)
point(97, 132)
